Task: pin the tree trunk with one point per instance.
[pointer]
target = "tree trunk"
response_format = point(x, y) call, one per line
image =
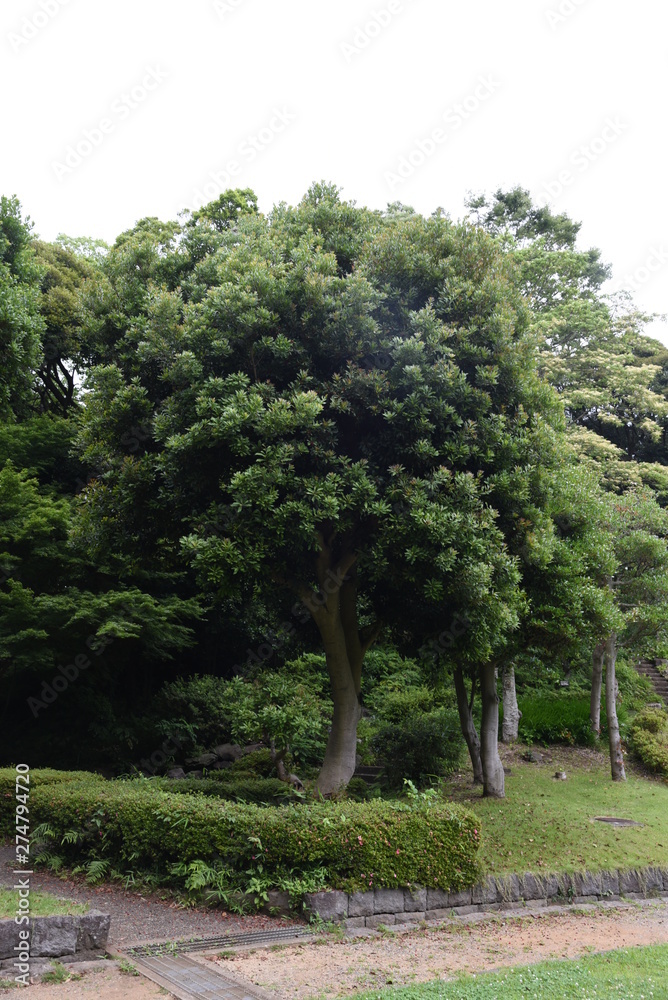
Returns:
point(492, 768)
point(465, 708)
point(511, 711)
point(597, 658)
point(340, 755)
point(616, 756)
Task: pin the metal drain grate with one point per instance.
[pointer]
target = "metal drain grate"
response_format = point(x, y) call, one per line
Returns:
point(226, 940)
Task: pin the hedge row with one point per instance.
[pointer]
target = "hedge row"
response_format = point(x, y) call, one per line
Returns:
point(268, 791)
point(137, 827)
point(37, 778)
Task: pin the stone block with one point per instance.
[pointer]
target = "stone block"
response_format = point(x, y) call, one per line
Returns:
point(464, 911)
point(277, 903)
point(413, 917)
point(653, 879)
point(360, 904)
point(507, 889)
point(609, 883)
point(535, 904)
point(53, 936)
point(515, 905)
point(353, 923)
point(587, 884)
point(416, 899)
point(437, 899)
point(438, 914)
point(629, 881)
point(380, 919)
point(484, 892)
point(327, 905)
point(93, 931)
point(388, 901)
point(664, 874)
point(531, 887)
point(462, 898)
point(550, 884)
point(9, 937)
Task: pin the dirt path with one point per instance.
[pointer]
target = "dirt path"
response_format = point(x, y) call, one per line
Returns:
point(343, 968)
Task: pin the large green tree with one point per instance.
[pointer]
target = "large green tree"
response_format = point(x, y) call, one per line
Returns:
point(318, 404)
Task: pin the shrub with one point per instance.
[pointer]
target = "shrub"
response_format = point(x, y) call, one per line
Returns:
point(649, 739)
point(133, 825)
point(257, 763)
point(418, 746)
point(38, 778)
point(562, 718)
point(196, 711)
point(269, 791)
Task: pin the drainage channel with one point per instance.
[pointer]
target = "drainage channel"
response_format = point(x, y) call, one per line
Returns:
point(225, 941)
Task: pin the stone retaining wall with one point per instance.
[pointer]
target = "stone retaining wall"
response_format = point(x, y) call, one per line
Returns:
point(512, 892)
point(68, 938)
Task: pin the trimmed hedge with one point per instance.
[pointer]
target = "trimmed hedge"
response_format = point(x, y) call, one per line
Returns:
point(268, 791)
point(133, 825)
point(38, 777)
point(649, 738)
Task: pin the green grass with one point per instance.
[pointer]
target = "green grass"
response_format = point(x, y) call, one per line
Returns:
point(41, 905)
point(544, 825)
point(629, 974)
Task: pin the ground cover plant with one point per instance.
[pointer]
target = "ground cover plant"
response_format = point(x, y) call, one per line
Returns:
point(649, 738)
point(630, 974)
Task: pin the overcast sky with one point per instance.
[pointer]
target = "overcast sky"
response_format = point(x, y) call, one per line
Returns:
point(118, 109)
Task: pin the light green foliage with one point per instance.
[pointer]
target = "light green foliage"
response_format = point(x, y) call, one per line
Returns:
point(42, 904)
point(21, 325)
point(649, 739)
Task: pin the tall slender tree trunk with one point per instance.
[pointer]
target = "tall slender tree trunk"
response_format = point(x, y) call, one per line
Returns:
point(616, 756)
point(340, 754)
point(597, 658)
point(469, 732)
point(492, 768)
point(511, 711)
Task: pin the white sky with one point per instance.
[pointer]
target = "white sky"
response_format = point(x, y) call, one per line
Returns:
point(330, 92)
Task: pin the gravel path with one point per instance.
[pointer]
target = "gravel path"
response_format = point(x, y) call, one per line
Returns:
point(137, 919)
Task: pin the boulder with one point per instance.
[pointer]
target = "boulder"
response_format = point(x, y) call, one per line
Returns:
point(228, 752)
point(175, 773)
point(54, 936)
point(93, 931)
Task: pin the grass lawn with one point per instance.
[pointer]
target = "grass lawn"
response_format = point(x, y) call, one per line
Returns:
point(546, 825)
point(41, 905)
point(626, 975)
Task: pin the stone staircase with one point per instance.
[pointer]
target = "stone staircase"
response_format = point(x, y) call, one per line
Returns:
point(649, 668)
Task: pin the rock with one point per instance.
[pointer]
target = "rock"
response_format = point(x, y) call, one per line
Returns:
point(93, 931)
point(54, 936)
point(532, 756)
point(560, 775)
point(205, 759)
point(327, 905)
point(175, 773)
point(415, 900)
point(484, 892)
point(228, 751)
point(507, 770)
point(388, 901)
point(9, 937)
point(360, 904)
point(194, 774)
point(251, 748)
point(221, 765)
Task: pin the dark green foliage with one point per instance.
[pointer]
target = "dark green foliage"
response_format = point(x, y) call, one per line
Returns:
point(419, 746)
point(561, 718)
point(649, 739)
point(258, 762)
point(195, 710)
point(266, 790)
point(134, 826)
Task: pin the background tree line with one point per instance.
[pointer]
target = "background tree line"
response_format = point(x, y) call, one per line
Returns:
point(327, 430)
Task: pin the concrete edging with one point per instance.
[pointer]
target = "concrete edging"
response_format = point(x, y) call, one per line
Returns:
point(510, 892)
